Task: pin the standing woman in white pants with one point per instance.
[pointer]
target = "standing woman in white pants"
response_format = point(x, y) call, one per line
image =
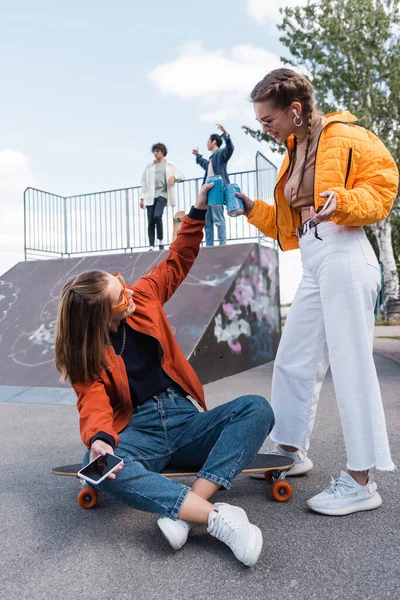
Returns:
point(331, 320)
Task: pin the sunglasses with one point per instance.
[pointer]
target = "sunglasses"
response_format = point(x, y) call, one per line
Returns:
point(126, 300)
point(267, 124)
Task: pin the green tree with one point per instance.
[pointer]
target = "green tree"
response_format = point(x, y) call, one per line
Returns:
point(351, 51)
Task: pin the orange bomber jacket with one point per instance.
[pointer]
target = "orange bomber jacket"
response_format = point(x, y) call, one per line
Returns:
point(105, 404)
point(350, 161)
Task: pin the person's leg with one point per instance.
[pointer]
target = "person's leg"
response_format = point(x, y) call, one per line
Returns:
point(221, 442)
point(209, 228)
point(349, 277)
point(300, 366)
point(219, 221)
point(159, 205)
point(349, 287)
point(139, 484)
point(150, 225)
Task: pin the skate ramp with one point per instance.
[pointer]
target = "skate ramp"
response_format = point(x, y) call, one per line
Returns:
point(225, 315)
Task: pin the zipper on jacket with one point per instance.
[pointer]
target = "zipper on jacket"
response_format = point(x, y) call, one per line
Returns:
point(276, 205)
point(348, 166)
point(316, 149)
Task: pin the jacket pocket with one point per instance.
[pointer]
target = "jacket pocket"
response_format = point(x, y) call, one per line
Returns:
point(348, 166)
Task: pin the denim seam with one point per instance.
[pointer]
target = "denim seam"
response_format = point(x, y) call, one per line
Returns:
point(178, 504)
point(145, 458)
point(172, 512)
point(238, 460)
point(215, 479)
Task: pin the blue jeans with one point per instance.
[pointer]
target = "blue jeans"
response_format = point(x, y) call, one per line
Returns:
point(168, 430)
point(215, 216)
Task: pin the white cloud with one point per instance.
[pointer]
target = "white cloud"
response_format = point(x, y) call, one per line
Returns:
point(198, 72)
point(221, 80)
point(267, 11)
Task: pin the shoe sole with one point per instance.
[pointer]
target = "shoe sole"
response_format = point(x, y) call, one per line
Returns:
point(369, 504)
point(300, 469)
point(170, 535)
point(250, 561)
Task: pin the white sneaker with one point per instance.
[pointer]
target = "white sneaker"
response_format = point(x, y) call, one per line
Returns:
point(345, 496)
point(151, 248)
point(175, 532)
point(302, 466)
point(230, 525)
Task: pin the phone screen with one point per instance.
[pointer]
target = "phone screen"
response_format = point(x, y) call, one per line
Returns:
point(100, 467)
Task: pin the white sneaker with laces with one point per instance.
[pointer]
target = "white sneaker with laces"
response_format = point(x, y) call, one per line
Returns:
point(151, 248)
point(345, 496)
point(175, 532)
point(230, 525)
point(302, 466)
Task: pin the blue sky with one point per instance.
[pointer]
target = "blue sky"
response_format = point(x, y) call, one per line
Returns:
point(89, 86)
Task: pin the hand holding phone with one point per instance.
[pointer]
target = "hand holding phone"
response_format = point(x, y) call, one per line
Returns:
point(327, 203)
point(319, 216)
point(100, 468)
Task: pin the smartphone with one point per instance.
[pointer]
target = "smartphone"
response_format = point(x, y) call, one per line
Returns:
point(325, 206)
point(97, 470)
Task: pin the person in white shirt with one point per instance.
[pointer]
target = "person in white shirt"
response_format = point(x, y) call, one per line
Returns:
point(157, 191)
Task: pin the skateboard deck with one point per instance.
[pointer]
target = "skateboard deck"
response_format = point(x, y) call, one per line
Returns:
point(271, 465)
point(261, 463)
point(178, 218)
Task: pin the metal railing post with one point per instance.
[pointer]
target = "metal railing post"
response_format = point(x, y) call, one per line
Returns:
point(128, 231)
point(65, 227)
point(25, 257)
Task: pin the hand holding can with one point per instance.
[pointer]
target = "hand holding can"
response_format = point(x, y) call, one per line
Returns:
point(234, 205)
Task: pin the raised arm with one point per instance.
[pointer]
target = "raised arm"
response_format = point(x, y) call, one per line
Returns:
point(227, 151)
point(165, 278)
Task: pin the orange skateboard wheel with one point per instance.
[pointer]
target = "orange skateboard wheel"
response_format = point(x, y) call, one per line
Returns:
point(87, 497)
point(281, 491)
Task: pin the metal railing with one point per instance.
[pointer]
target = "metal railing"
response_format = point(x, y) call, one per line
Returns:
point(112, 221)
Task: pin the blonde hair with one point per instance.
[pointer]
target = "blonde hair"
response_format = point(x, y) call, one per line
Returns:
point(281, 87)
point(82, 329)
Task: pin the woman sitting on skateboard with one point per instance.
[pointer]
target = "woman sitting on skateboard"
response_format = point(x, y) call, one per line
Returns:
point(115, 346)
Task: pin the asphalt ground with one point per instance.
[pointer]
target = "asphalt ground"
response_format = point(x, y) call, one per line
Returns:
point(53, 549)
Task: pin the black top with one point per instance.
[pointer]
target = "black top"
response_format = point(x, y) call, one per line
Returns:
point(141, 356)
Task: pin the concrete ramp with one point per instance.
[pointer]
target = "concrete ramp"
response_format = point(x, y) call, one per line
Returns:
point(225, 315)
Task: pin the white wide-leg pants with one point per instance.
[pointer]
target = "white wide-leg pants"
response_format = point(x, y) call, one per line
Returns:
point(331, 322)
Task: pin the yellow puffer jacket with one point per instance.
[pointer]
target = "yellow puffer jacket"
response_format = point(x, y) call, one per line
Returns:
point(350, 161)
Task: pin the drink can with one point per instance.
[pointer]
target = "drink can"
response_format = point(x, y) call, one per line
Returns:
point(234, 205)
point(215, 196)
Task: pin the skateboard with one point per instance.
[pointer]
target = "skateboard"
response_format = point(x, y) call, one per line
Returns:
point(273, 467)
point(178, 218)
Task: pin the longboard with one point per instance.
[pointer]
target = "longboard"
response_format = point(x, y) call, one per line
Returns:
point(271, 465)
